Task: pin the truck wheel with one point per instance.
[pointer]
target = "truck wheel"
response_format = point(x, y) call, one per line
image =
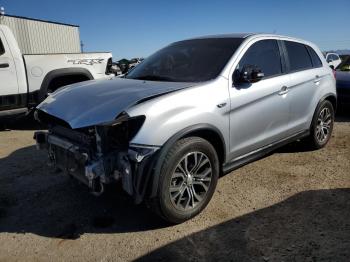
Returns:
point(321, 126)
point(187, 181)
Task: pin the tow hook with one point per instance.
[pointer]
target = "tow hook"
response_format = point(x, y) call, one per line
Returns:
point(96, 186)
point(94, 173)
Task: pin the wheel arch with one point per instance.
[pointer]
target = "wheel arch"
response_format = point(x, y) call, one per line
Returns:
point(331, 98)
point(205, 131)
point(62, 73)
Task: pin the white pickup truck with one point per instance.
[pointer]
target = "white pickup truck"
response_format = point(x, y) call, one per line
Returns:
point(25, 80)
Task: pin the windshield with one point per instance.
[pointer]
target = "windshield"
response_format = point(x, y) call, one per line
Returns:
point(195, 60)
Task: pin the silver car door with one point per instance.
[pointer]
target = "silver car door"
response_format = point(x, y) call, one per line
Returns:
point(306, 77)
point(259, 111)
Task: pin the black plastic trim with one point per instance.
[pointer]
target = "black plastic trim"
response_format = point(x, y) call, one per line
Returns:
point(329, 95)
point(229, 167)
point(59, 73)
point(283, 56)
point(11, 112)
point(24, 100)
point(166, 147)
point(9, 102)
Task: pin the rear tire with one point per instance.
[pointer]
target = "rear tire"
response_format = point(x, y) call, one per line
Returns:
point(187, 180)
point(321, 126)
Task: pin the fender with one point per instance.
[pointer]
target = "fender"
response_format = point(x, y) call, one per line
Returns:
point(58, 73)
point(324, 97)
point(160, 156)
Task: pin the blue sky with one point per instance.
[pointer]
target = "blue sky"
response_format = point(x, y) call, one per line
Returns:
point(139, 27)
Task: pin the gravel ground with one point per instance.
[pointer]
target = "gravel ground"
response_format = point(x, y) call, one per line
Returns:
point(293, 205)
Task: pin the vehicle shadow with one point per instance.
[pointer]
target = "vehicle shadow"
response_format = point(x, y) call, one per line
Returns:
point(309, 226)
point(33, 200)
point(300, 146)
point(21, 122)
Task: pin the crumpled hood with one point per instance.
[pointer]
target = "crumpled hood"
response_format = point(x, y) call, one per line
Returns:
point(100, 101)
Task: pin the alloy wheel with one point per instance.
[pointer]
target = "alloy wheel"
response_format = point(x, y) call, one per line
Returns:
point(323, 127)
point(190, 181)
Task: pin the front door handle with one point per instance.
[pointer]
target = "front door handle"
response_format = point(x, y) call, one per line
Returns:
point(284, 90)
point(4, 65)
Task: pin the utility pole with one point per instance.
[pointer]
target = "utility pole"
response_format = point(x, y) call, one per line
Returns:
point(82, 46)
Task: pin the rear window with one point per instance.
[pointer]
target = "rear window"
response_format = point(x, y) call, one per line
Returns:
point(299, 58)
point(2, 49)
point(316, 61)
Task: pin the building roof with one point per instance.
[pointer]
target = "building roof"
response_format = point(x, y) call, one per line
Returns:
point(40, 20)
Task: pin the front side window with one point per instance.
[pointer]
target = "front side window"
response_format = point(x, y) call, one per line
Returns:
point(194, 60)
point(265, 55)
point(299, 58)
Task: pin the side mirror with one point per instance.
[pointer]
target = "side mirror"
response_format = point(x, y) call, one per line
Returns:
point(329, 60)
point(248, 74)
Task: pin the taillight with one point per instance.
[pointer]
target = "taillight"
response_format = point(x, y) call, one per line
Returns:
point(334, 74)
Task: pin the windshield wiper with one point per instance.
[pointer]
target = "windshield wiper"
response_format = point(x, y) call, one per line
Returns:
point(154, 78)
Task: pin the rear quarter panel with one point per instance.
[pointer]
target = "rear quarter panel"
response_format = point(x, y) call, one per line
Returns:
point(327, 85)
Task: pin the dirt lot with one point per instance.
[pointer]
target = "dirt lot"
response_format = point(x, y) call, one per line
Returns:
point(293, 205)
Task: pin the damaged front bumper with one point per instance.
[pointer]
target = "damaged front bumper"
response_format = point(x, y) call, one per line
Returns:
point(132, 166)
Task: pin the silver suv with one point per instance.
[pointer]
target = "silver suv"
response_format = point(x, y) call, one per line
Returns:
point(192, 111)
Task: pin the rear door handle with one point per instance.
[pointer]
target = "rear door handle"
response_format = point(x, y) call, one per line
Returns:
point(317, 79)
point(284, 90)
point(4, 65)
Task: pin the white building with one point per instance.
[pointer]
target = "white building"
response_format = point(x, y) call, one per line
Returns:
point(36, 36)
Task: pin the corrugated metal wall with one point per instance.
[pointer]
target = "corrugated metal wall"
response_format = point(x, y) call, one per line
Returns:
point(39, 37)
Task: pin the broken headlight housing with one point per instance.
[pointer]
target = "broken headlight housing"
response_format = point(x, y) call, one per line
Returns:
point(117, 135)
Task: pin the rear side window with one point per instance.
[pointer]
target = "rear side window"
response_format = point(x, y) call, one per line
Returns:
point(264, 54)
point(299, 58)
point(316, 61)
point(2, 49)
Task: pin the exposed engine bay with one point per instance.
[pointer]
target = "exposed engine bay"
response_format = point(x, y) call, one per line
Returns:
point(99, 155)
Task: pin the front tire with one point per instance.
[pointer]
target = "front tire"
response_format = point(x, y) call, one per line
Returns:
point(187, 180)
point(322, 125)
